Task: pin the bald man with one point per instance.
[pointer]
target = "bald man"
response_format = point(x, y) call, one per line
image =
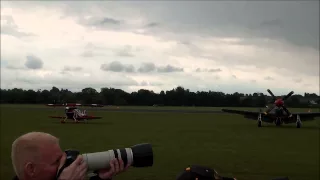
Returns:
point(38, 156)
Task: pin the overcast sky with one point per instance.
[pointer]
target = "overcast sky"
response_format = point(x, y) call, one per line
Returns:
point(219, 46)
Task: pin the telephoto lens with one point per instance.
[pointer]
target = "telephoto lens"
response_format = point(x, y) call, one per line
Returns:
point(139, 155)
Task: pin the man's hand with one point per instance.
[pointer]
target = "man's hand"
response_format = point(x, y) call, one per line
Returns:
point(76, 171)
point(116, 167)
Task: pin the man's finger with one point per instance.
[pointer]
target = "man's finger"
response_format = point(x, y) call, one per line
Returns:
point(83, 167)
point(77, 161)
point(116, 164)
point(82, 173)
point(121, 164)
point(112, 168)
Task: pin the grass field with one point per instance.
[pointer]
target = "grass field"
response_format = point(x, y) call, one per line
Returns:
point(231, 144)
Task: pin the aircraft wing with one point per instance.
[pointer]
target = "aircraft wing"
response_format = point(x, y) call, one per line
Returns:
point(252, 115)
point(247, 114)
point(57, 117)
point(89, 117)
point(307, 116)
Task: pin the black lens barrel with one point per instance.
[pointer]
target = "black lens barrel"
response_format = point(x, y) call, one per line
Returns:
point(142, 155)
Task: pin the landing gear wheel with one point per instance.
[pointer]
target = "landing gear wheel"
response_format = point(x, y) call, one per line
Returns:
point(298, 124)
point(259, 124)
point(259, 121)
point(278, 122)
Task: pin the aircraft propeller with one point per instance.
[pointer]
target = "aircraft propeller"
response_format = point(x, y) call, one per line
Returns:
point(287, 96)
point(272, 95)
point(283, 98)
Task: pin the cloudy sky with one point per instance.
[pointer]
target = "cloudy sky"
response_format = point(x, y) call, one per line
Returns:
point(219, 46)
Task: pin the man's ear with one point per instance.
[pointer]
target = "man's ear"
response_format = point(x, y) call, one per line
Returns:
point(30, 169)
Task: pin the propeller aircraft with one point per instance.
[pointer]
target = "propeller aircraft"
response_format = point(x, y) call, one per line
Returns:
point(277, 113)
point(73, 113)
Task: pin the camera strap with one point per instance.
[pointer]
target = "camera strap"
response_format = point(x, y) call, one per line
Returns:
point(60, 171)
point(71, 157)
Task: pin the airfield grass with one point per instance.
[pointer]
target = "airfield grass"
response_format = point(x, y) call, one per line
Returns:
point(229, 143)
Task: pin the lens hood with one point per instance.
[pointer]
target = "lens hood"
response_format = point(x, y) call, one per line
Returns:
point(142, 155)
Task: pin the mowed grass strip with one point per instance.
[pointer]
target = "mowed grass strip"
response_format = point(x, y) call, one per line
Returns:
point(187, 108)
point(233, 145)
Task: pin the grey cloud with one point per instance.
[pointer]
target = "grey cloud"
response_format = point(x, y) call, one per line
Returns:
point(234, 76)
point(253, 81)
point(14, 67)
point(99, 22)
point(26, 80)
point(33, 62)
point(127, 51)
point(208, 70)
point(152, 24)
point(74, 84)
point(311, 57)
point(124, 54)
point(184, 42)
point(116, 66)
point(268, 78)
point(69, 68)
point(198, 70)
point(144, 83)
point(107, 20)
point(169, 68)
point(104, 23)
point(147, 67)
point(270, 23)
point(216, 77)
point(215, 70)
point(87, 54)
point(90, 46)
point(155, 84)
point(293, 21)
point(297, 80)
point(129, 68)
point(151, 67)
point(91, 50)
point(9, 27)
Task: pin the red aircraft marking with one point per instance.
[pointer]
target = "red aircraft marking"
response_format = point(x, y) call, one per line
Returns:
point(279, 102)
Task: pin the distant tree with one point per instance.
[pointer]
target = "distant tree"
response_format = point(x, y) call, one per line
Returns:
point(178, 96)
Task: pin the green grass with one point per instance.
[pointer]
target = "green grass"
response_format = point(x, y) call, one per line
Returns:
point(231, 144)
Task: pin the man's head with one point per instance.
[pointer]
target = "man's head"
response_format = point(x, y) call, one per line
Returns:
point(36, 155)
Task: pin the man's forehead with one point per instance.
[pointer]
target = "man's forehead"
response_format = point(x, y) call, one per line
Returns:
point(50, 151)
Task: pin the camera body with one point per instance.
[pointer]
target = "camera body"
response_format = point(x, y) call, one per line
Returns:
point(71, 156)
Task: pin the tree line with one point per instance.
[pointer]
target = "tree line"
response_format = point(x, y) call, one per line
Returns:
point(176, 97)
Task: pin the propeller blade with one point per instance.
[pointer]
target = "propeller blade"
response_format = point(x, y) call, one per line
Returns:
point(287, 96)
point(274, 98)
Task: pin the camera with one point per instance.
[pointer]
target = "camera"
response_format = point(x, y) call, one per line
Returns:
point(139, 155)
